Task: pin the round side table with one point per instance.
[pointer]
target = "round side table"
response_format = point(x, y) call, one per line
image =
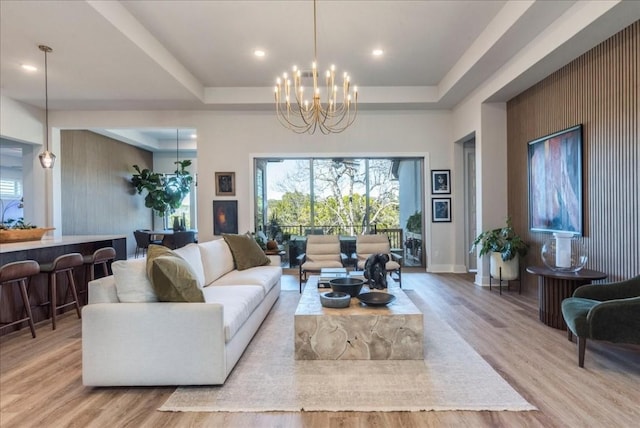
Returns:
point(555, 286)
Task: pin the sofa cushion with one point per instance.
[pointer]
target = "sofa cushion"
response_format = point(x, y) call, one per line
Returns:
point(217, 259)
point(265, 276)
point(172, 277)
point(246, 251)
point(239, 302)
point(132, 282)
point(318, 265)
point(191, 253)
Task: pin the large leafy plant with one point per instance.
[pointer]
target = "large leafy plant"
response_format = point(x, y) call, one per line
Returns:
point(503, 240)
point(164, 192)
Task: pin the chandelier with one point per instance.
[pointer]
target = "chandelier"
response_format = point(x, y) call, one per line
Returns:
point(47, 159)
point(331, 110)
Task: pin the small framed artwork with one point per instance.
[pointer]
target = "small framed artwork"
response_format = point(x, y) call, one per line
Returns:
point(440, 181)
point(441, 210)
point(225, 217)
point(225, 183)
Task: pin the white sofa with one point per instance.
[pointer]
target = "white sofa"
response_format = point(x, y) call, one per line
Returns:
point(128, 339)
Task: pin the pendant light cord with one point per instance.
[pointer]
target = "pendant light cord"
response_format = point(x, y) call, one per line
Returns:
point(46, 98)
point(315, 34)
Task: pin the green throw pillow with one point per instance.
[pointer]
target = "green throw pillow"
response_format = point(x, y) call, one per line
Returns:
point(246, 251)
point(171, 276)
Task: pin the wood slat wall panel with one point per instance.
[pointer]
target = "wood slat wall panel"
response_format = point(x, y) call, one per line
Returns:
point(96, 195)
point(599, 90)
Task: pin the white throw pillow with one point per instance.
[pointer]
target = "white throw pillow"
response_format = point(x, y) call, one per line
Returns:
point(217, 259)
point(132, 282)
point(191, 253)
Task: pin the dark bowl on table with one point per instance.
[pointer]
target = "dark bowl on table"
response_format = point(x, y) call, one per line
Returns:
point(347, 285)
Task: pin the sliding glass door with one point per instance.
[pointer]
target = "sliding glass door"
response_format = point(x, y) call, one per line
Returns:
point(341, 196)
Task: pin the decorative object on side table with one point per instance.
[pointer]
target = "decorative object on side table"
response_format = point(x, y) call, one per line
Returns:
point(335, 299)
point(564, 252)
point(348, 285)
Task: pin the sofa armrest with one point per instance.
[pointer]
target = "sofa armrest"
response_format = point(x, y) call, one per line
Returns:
point(396, 258)
point(344, 259)
point(103, 290)
point(275, 259)
point(127, 344)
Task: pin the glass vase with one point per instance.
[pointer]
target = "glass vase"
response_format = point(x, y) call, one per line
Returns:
point(564, 252)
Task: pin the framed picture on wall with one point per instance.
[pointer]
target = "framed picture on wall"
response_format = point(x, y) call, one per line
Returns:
point(555, 182)
point(225, 183)
point(441, 210)
point(225, 217)
point(440, 181)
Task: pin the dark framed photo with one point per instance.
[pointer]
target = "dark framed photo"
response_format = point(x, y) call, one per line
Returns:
point(441, 210)
point(225, 217)
point(225, 183)
point(440, 181)
point(555, 182)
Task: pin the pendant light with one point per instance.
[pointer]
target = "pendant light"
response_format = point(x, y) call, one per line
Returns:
point(47, 159)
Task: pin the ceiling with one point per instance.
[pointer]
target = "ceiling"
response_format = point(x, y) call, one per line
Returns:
point(198, 55)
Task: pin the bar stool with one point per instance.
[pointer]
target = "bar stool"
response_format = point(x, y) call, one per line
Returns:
point(19, 273)
point(100, 257)
point(61, 264)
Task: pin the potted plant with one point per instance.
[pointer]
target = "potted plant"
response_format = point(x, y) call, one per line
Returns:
point(505, 247)
point(164, 193)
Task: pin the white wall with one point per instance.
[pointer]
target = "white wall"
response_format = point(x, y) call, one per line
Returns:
point(228, 140)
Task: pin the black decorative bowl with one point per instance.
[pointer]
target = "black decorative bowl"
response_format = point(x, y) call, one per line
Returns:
point(376, 299)
point(347, 285)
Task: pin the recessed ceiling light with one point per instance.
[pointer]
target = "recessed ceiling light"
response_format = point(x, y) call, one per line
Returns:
point(28, 67)
point(377, 52)
point(259, 53)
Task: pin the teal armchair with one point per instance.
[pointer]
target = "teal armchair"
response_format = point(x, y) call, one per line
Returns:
point(608, 312)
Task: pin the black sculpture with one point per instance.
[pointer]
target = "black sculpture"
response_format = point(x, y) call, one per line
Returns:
point(375, 270)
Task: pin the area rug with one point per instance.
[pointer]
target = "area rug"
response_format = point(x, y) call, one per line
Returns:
point(267, 378)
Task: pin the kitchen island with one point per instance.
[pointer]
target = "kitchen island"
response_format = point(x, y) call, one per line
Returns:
point(45, 251)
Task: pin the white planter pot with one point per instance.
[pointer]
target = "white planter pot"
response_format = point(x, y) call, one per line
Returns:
point(510, 268)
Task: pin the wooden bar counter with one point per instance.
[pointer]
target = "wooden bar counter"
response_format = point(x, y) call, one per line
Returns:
point(45, 251)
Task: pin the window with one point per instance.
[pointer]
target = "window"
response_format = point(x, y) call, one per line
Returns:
point(339, 196)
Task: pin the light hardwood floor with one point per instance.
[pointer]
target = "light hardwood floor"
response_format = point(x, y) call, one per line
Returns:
point(41, 386)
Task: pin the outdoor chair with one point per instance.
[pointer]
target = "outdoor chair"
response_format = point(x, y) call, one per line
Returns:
point(323, 251)
point(367, 245)
point(608, 312)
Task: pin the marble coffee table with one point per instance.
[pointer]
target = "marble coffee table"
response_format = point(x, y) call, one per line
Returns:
point(359, 332)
